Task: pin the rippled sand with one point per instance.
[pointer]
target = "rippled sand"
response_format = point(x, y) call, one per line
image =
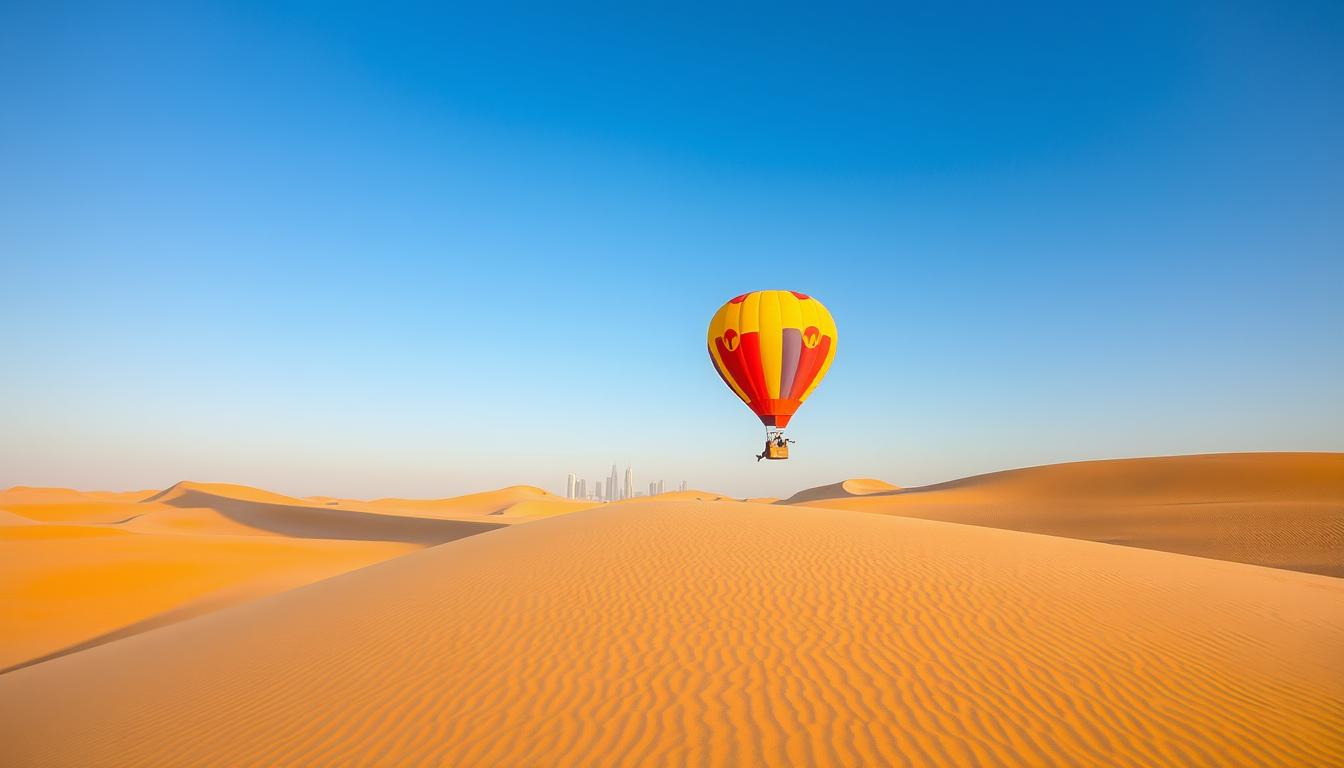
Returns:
point(683, 632)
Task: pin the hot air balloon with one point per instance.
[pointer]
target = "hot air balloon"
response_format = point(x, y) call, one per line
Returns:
point(772, 348)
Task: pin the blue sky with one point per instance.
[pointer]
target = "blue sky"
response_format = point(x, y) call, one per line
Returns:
point(399, 251)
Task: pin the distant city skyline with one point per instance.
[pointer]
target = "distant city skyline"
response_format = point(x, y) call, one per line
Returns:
point(576, 487)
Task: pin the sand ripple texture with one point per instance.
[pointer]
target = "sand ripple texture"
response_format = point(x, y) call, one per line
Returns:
point(720, 633)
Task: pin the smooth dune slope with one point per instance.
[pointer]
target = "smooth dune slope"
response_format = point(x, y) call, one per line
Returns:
point(1284, 510)
point(722, 633)
point(24, 494)
point(13, 518)
point(859, 486)
point(64, 587)
point(64, 505)
point(80, 569)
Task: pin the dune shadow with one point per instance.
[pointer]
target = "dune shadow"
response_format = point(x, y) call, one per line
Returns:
point(328, 523)
point(163, 619)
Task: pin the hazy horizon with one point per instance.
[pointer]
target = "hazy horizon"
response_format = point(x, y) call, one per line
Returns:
point(423, 253)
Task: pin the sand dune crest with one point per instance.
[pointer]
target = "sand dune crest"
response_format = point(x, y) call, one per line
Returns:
point(858, 486)
point(1284, 510)
point(265, 511)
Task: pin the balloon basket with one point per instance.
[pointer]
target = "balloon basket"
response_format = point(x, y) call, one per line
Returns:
point(776, 445)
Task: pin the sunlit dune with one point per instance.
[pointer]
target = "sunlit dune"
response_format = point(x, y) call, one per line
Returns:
point(68, 585)
point(80, 568)
point(283, 515)
point(515, 503)
point(184, 493)
point(482, 503)
point(537, 508)
point(722, 633)
point(22, 494)
point(13, 518)
point(859, 486)
point(691, 495)
point(217, 624)
point(63, 505)
point(694, 495)
point(1284, 510)
point(71, 509)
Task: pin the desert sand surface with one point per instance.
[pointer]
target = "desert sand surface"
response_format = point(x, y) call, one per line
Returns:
point(267, 512)
point(82, 568)
point(516, 503)
point(23, 494)
point(692, 495)
point(66, 587)
point(722, 633)
point(1284, 510)
point(859, 486)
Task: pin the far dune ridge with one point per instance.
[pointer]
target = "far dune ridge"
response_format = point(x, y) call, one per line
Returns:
point(1282, 510)
point(722, 633)
point(690, 495)
point(858, 486)
point(514, 503)
point(271, 512)
point(23, 494)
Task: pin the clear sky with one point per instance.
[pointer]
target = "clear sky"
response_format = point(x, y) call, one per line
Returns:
point(399, 251)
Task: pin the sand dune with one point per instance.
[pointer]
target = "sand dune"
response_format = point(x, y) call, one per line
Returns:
point(483, 503)
point(517, 503)
point(656, 633)
point(81, 568)
point(68, 585)
point(265, 511)
point(1284, 510)
point(88, 512)
point(692, 495)
point(22, 494)
point(13, 518)
point(859, 486)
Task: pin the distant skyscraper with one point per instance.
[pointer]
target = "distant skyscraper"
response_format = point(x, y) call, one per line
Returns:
point(683, 486)
point(660, 486)
point(569, 486)
point(653, 488)
point(629, 482)
point(581, 490)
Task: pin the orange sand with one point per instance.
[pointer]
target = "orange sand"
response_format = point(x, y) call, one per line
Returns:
point(80, 568)
point(517, 503)
point(859, 486)
point(671, 633)
point(65, 586)
point(1284, 510)
point(175, 628)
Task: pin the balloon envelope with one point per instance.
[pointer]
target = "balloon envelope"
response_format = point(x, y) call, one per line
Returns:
point(772, 348)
